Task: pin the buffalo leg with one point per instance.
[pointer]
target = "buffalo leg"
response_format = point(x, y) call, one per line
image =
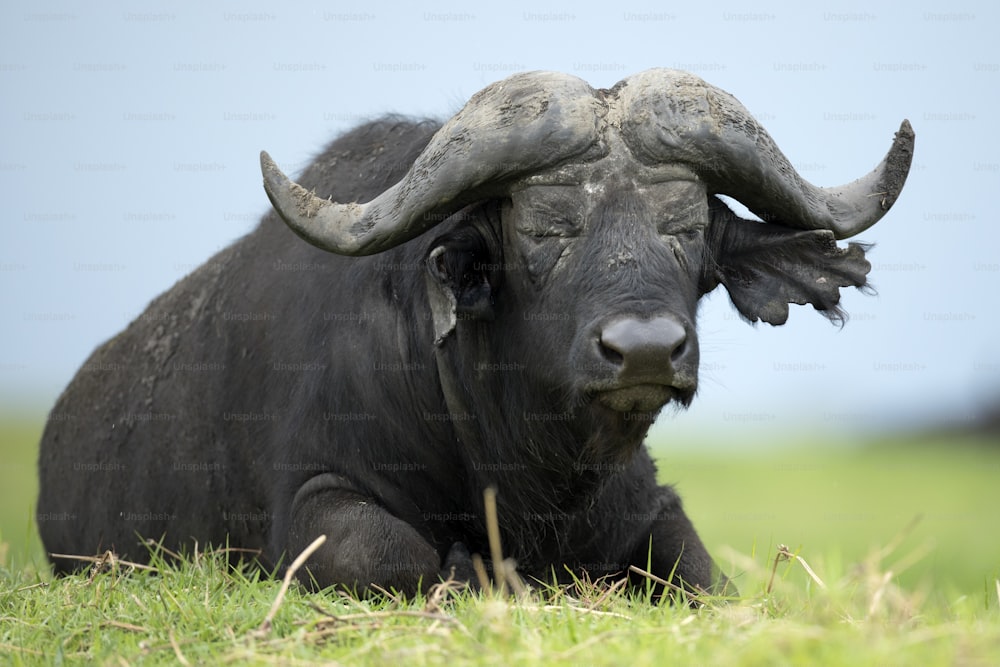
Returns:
point(673, 551)
point(365, 543)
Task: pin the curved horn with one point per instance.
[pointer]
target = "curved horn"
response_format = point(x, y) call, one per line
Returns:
point(524, 123)
point(668, 115)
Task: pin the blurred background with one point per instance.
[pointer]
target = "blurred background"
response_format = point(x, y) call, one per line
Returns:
point(129, 136)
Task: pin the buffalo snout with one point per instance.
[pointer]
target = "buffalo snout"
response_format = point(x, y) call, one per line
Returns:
point(639, 364)
point(644, 347)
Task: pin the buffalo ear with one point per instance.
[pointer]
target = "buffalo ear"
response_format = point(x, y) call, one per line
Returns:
point(766, 266)
point(458, 275)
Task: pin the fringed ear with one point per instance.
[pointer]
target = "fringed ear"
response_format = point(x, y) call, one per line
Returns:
point(765, 267)
point(458, 281)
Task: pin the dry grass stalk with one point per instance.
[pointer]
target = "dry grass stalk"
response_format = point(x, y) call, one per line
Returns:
point(481, 574)
point(783, 550)
point(20, 649)
point(605, 592)
point(582, 610)
point(887, 598)
point(686, 595)
point(125, 626)
point(782, 554)
point(151, 543)
point(106, 561)
point(177, 649)
point(879, 592)
point(439, 594)
point(493, 534)
point(265, 626)
point(504, 569)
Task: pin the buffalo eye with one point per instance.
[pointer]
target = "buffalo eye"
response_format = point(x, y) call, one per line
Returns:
point(462, 265)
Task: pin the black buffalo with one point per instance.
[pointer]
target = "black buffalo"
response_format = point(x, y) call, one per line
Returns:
point(517, 304)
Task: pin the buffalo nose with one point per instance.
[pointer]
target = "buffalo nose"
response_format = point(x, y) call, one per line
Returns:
point(644, 348)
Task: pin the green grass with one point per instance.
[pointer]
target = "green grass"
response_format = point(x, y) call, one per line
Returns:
point(838, 503)
point(901, 537)
point(18, 489)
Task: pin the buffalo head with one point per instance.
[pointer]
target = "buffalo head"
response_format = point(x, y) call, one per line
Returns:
point(586, 227)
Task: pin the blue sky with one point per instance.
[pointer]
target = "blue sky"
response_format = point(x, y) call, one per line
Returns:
point(129, 137)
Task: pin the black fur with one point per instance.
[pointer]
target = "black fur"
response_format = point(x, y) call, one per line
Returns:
point(280, 392)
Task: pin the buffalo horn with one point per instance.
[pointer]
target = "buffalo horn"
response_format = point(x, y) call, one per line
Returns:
point(524, 123)
point(672, 116)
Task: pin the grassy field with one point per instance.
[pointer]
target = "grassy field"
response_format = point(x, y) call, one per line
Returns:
point(895, 559)
point(18, 487)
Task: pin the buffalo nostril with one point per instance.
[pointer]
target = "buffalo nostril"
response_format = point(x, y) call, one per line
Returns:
point(678, 352)
point(610, 353)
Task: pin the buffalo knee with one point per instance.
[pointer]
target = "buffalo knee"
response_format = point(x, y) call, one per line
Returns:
point(365, 544)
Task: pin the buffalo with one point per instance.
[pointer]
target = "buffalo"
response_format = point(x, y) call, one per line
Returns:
point(503, 301)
